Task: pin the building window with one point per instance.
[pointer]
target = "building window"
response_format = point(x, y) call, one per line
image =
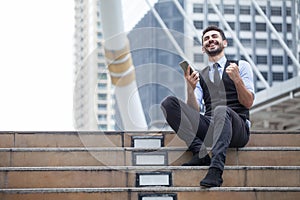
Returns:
point(261, 27)
point(265, 75)
point(100, 55)
point(263, 9)
point(229, 9)
point(246, 42)
point(276, 11)
point(198, 8)
point(244, 58)
point(277, 60)
point(245, 10)
point(290, 61)
point(261, 59)
point(276, 44)
point(231, 24)
point(211, 10)
point(101, 65)
point(245, 26)
point(102, 86)
point(102, 96)
point(215, 23)
point(278, 27)
point(102, 117)
point(277, 76)
point(288, 12)
point(261, 43)
point(99, 44)
point(198, 24)
point(102, 76)
point(102, 107)
point(289, 27)
point(102, 127)
point(289, 43)
point(99, 35)
point(229, 42)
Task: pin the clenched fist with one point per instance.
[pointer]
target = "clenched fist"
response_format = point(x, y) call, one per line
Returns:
point(233, 72)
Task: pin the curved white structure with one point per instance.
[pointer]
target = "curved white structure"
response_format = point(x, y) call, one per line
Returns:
point(120, 66)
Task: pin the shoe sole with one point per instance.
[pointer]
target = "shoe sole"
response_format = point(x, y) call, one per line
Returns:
point(193, 165)
point(206, 185)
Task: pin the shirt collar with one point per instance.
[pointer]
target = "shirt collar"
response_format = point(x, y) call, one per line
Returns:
point(221, 62)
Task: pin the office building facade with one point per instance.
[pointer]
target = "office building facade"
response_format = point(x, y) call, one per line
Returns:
point(94, 104)
point(253, 32)
point(156, 59)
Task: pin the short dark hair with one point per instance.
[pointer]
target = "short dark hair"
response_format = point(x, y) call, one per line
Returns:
point(214, 28)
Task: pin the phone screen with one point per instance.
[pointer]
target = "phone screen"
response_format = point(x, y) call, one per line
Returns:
point(184, 65)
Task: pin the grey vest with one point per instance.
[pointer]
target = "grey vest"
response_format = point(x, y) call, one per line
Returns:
point(223, 94)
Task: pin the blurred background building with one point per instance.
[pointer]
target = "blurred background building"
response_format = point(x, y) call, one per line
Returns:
point(266, 33)
point(94, 105)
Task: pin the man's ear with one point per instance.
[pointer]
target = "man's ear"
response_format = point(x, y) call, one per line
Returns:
point(203, 50)
point(225, 43)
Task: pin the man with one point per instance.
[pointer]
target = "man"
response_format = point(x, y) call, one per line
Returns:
point(226, 87)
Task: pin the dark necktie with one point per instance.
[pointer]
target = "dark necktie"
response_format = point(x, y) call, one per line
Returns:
point(216, 74)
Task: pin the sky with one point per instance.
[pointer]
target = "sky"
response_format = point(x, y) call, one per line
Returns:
point(37, 62)
point(36, 69)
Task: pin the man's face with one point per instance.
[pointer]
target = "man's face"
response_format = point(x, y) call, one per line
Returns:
point(213, 44)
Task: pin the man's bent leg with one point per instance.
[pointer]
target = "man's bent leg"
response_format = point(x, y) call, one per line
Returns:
point(229, 129)
point(184, 123)
point(187, 123)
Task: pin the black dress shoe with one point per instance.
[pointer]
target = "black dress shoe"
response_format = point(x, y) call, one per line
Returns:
point(213, 178)
point(196, 161)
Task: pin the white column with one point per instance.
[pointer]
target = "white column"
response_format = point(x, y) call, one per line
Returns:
point(120, 66)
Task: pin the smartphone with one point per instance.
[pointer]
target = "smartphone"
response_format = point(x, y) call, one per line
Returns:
point(184, 65)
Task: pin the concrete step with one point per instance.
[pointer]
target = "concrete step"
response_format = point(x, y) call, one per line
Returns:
point(96, 177)
point(153, 193)
point(60, 139)
point(124, 139)
point(274, 139)
point(175, 156)
point(141, 166)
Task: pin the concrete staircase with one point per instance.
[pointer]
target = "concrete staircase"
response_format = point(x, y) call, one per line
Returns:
point(142, 166)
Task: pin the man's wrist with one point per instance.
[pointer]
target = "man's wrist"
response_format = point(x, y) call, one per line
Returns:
point(238, 81)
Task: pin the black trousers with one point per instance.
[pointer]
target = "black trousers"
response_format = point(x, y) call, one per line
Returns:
point(222, 130)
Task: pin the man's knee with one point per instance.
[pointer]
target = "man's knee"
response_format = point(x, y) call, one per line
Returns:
point(222, 112)
point(221, 109)
point(169, 103)
point(171, 110)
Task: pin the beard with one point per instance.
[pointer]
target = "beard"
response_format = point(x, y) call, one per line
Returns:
point(216, 51)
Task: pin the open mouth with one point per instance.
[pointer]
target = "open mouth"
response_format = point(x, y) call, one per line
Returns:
point(212, 44)
point(213, 48)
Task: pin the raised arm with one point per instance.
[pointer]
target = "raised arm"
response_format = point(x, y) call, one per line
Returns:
point(245, 95)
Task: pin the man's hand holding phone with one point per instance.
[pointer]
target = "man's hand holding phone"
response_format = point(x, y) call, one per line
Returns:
point(185, 67)
point(191, 75)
